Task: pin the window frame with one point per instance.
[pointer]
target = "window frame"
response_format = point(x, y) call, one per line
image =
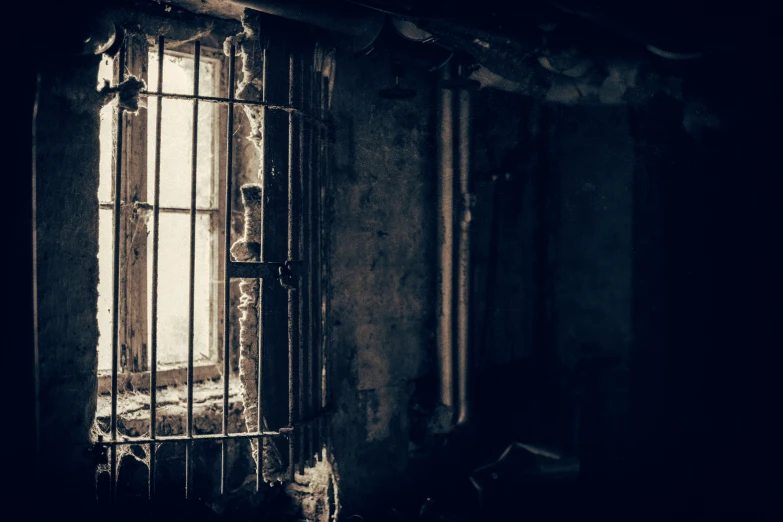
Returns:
point(133, 314)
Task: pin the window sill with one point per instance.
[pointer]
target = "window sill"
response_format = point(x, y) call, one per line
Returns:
point(133, 410)
point(140, 381)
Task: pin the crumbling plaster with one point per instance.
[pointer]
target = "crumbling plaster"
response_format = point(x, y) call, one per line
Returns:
point(382, 280)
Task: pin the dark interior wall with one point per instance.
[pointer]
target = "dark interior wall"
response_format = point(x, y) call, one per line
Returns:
point(381, 202)
point(66, 264)
point(553, 275)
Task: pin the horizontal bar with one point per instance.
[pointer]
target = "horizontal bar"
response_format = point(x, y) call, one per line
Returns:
point(194, 438)
point(234, 101)
point(250, 270)
point(146, 206)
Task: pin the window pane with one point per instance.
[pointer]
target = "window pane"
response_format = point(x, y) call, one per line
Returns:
point(173, 273)
point(176, 134)
point(178, 74)
point(107, 125)
point(104, 288)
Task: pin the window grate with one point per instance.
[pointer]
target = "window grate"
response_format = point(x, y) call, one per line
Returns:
point(299, 270)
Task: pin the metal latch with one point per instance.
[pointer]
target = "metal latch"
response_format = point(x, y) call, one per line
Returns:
point(286, 275)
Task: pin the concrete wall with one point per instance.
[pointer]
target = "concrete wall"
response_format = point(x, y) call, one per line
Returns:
point(381, 295)
point(66, 263)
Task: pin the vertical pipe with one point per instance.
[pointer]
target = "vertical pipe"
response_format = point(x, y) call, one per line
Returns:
point(320, 195)
point(259, 368)
point(116, 217)
point(463, 276)
point(192, 268)
point(155, 254)
point(226, 263)
point(445, 238)
point(290, 251)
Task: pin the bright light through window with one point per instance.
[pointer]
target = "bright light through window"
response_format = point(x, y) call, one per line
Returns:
point(175, 189)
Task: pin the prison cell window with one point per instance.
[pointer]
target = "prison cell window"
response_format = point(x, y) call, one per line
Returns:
point(167, 183)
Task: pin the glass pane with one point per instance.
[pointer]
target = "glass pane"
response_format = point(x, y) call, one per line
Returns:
point(173, 268)
point(178, 74)
point(106, 130)
point(176, 134)
point(104, 288)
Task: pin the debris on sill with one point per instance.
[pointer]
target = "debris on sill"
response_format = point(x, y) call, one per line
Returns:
point(315, 492)
point(522, 464)
point(133, 408)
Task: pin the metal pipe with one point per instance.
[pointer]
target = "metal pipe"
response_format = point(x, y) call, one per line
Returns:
point(343, 18)
point(445, 238)
point(195, 438)
point(155, 261)
point(463, 274)
point(227, 261)
point(192, 265)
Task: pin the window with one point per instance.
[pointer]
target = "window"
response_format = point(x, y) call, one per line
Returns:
point(136, 290)
point(169, 304)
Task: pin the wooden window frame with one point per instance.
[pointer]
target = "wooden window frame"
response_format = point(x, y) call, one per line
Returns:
point(133, 316)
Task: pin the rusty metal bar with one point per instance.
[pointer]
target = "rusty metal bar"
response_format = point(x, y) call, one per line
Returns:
point(252, 270)
point(155, 260)
point(291, 295)
point(314, 247)
point(227, 260)
point(164, 209)
point(116, 217)
point(195, 438)
point(192, 267)
point(260, 363)
point(463, 259)
point(302, 346)
point(306, 151)
point(219, 100)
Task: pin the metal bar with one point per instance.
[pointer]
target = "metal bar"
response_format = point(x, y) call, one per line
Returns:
point(260, 365)
point(192, 268)
point(252, 270)
point(155, 260)
point(116, 281)
point(195, 438)
point(463, 267)
point(307, 227)
point(227, 261)
point(217, 99)
point(300, 249)
point(165, 210)
point(314, 244)
point(321, 311)
point(290, 250)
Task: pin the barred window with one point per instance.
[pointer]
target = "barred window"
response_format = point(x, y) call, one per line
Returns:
point(189, 361)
